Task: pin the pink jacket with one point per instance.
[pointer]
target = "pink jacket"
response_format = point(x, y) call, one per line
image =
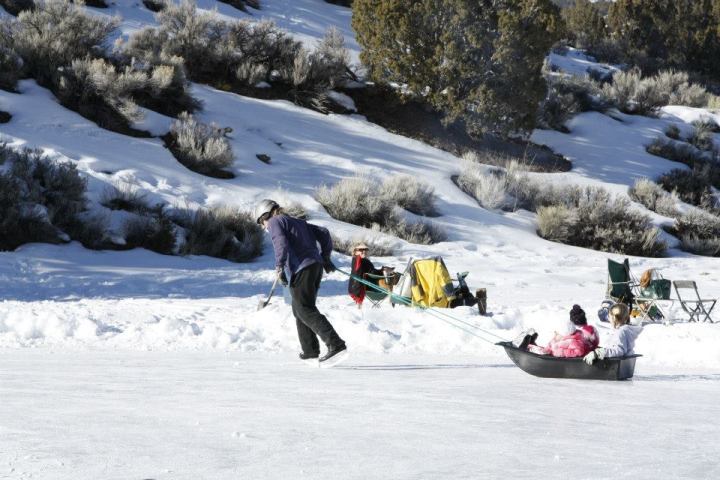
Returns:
point(578, 344)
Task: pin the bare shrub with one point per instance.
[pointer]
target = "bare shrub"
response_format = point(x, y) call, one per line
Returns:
point(155, 233)
point(419, 233)
point(56, 186)
point(214, 50)
point(488, 187)
point(97, 91)
point(709, 247)
point(378, 247)
point(124, 196)
point(567, 96)
point(239, 54)
point(623, 89)
point(21, 222)
point(342, 202)
point(373, 211)
point(702, 135)
point(556, 109)
point(699, 233)
point(713, 102)
point(200, 147)
point(55, 33)
point(504, 159)
point(166, 89)
point(631, 93)
point(91, 230)
point(691, 95)
point(531, 194)
point(329, 61)
point(38, 198)
point(555, 223)
point(411, 194)
point(5, 117)
point(603, 223)
point(673, 132)
point(512, 188)
point(653, 197)
point(220, 232)
point(675, 151)
point(691, 186)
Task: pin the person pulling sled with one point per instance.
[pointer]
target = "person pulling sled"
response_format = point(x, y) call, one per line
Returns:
point(295, 246)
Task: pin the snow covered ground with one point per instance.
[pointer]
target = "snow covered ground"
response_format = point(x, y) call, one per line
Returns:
point(137, 365)
point(169, 416)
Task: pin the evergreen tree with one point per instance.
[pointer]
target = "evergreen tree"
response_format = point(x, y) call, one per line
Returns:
point(477, 61)
point(671, 33)
point(585, 24)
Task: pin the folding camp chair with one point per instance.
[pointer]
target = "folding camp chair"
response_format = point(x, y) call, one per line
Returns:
point(623, 287)
point(386, 282)
point(695, 308)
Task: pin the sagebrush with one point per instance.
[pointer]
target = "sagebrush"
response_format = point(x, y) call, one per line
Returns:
point(699, 233)
point(654, 197)
point(200, 147)
point(601, 222)
point(377, 247)
point(239, 55)
point(39, 198)
point(377, 208)
point(220, 232)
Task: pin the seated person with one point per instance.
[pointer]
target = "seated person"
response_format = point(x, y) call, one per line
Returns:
point(622, 341)
point(581, 338)
point(361, 266)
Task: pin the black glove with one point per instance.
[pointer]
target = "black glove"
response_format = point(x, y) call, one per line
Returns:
point(282, 278)
point(328, 265)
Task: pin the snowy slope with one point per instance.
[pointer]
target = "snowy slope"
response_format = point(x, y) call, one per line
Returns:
point(120, 365)
point(120, 299)
point(306, 20)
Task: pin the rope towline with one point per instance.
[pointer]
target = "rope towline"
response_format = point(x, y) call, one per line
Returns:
point(436, 313)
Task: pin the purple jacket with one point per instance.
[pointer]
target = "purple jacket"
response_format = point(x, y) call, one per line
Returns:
point(295, 242)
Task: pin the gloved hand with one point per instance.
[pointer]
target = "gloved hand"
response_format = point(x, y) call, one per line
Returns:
point(282, 278)
point(597, 354)
point(328, 265)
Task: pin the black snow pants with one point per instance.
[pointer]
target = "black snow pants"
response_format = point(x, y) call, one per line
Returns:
point(310, 322)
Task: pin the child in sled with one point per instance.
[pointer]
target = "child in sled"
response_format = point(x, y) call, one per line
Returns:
point(581, 339)
point(622, 341)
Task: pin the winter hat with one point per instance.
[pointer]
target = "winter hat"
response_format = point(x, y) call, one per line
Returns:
point(577, 315)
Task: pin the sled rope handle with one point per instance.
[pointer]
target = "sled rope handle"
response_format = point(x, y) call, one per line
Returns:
point(442, 316)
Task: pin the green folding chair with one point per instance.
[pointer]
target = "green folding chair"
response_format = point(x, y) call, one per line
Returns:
point(619, 281)
point(623, 287)
point(385, 282)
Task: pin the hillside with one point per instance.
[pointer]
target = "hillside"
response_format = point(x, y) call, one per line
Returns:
point(127, 363)
point(530, 281)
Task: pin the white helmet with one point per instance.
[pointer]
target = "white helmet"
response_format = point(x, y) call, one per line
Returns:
point(265, 206)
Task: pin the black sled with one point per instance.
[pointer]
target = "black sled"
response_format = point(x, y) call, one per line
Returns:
point(617, 368)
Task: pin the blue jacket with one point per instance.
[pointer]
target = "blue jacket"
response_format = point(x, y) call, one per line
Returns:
point(295, 242)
